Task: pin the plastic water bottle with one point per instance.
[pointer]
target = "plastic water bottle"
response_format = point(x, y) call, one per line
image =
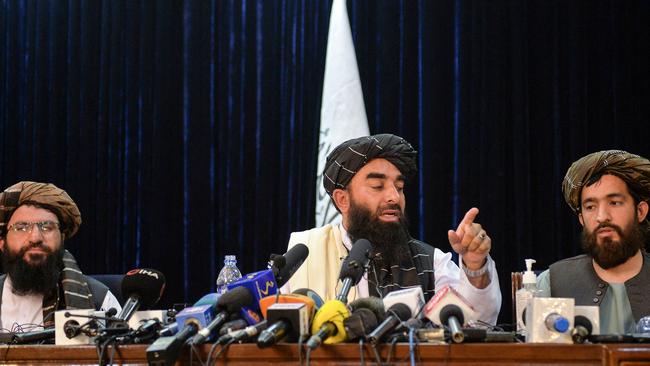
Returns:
point(228, 274)
point(643, 326)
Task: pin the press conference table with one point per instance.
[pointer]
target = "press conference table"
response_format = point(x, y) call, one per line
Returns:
point(348, 354)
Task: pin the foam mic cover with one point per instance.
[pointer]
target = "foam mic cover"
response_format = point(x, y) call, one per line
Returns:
point(142, 287)
point(360, 323)
point(318, 301)
point(582, 329)
point(452, 316)
point(374, 304)
point(397, 313)
point(354, 264)
point(353, 267)
point(230, 302)
point(327, 325)
point(289, 263)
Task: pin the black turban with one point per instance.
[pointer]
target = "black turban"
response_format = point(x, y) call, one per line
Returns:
point(346, 159)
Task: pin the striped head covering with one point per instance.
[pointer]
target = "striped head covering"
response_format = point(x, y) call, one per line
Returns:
point(346, 159)
point(43, 193)
point(633, 169)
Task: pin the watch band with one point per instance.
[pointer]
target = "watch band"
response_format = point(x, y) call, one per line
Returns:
point(476, 273)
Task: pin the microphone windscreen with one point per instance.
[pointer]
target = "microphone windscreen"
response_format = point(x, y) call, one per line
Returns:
point(361, 322)
point(234, 299)
point(451, 310)
point(402, 311)
point(583, 321)
point(333, 311)
point(145, 284)
point(318, 301)
point(374, 304)
point(353, 265)
point(290, 262)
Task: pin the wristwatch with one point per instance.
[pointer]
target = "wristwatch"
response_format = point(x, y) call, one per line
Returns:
point(475, 273)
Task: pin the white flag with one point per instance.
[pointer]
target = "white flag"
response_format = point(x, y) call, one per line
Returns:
point(342, 114)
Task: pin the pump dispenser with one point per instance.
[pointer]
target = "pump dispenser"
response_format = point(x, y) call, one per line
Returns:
point(524, 294)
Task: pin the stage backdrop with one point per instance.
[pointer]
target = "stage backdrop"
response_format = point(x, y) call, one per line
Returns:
point(187, 130)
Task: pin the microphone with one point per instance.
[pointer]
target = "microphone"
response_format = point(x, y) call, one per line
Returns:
point(328, 322)
point(585, 323)
point(289, 321)
point(548, 320)
point(359, 323)
point(284, 266)
point(397, 313)
point(232, 301)
point(288, 318)
point(452, 316)
point(374, 304)
point(268, 301)
point(457, 311)
point(189, 320)
point(318, 301)
point(582, 329)
point(34, 336)
point(239, 335)
point(353, 267)
point(143, 287)
point(232, 325)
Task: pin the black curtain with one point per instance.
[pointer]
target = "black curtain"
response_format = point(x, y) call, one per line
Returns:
point(189, 130)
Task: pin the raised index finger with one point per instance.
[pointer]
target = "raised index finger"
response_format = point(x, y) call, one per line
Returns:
point(469, 218)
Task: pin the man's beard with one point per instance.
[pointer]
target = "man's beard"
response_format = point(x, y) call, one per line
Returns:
point(389, 239)
point(610, 253)
point(40, 277)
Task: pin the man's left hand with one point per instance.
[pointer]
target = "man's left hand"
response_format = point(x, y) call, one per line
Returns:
point(470, 241)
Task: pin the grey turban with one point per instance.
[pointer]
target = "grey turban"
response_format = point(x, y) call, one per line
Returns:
point(346, 159)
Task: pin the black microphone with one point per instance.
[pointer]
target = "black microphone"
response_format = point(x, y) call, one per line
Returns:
point(284, 266)
point(353, 267)
point(233, 325)
point(359, 323)
point(143, 287)
point(232, 301)
point(396, 314)
point(374, 304)
point(242, 334)
point(453, 317)
point(582, 329)
point(34, 336)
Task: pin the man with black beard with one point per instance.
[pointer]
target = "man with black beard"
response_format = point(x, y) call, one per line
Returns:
point(609, 191)
point(40, 275)
point(365, 179)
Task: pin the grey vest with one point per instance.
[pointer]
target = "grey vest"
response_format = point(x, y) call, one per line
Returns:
point(575, 277)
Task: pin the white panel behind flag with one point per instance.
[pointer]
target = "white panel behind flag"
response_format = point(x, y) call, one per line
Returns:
point(342, 114)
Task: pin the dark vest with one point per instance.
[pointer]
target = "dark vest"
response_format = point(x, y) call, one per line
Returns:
point(575, 277)
point(97, 289)
point(423, 260)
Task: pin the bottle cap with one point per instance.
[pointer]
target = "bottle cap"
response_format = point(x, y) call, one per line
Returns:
point(230, 258)
point(529, 275)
